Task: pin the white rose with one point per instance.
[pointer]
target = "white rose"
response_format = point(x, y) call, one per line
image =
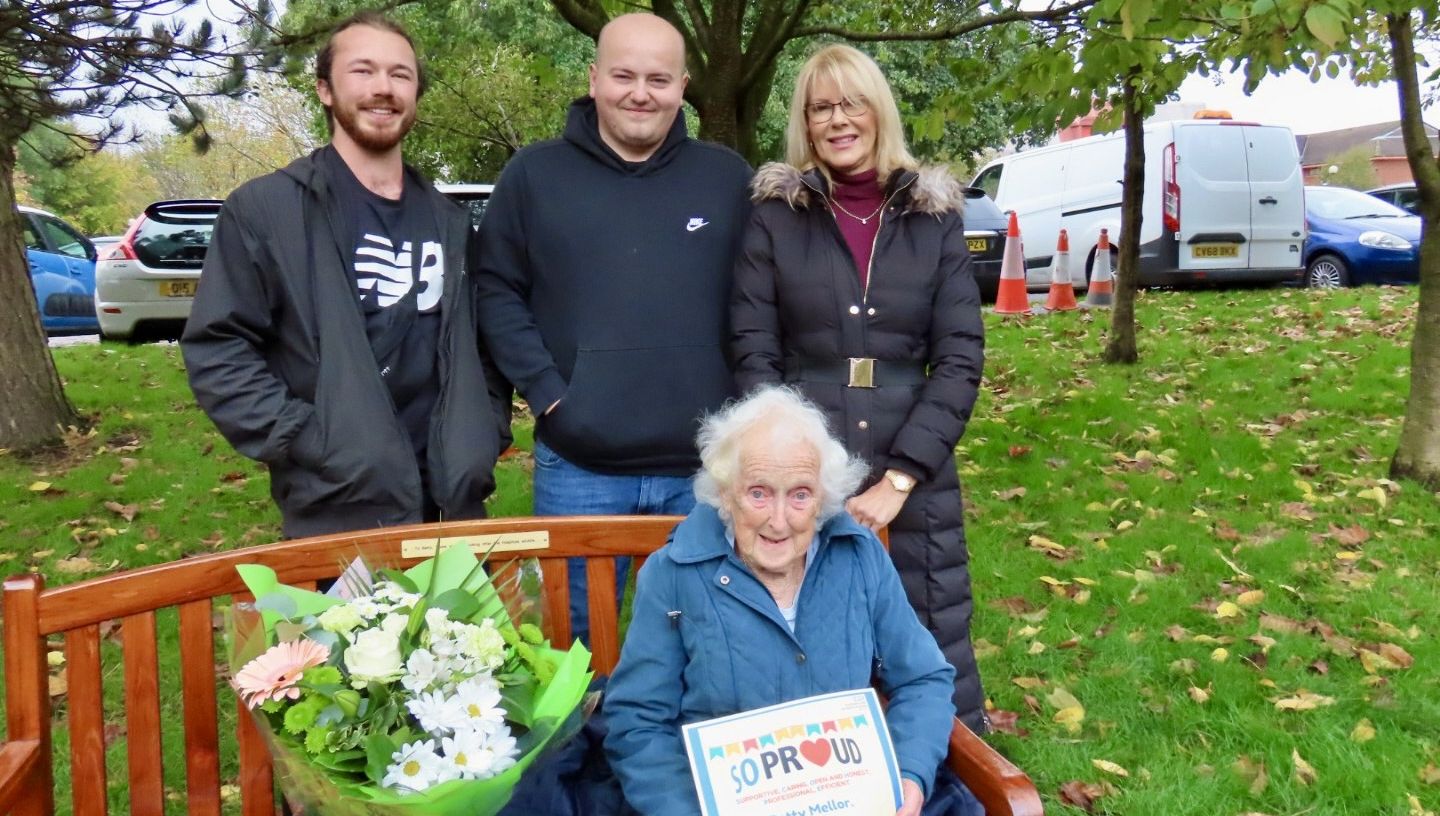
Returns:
point(340, 619)
point(373, 657)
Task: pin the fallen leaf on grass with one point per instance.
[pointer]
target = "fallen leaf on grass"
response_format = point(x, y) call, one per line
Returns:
point(1199, 695)
point(76, 565)
point(1050, 548)
point(1012, 493)
point(1303, 701)
point(1007, 722)
point(1297, 510)
point(1363, 731)
point(1109, 767)
point(1304, 772)
point(1430, 774)
point(1028, 683)
point(1252, 598)
point(1375, 494)
point(125, 511)
point(39, 487)
point(1352, 536)
point(58, 685)
point(1227, 609)
point(1017, 451)
point(1081, 794)
point(1416, 809)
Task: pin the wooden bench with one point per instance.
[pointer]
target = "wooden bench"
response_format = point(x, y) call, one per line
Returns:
point(128, 602)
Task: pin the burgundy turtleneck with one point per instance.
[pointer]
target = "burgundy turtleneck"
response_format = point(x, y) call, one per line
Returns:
point(856, 197)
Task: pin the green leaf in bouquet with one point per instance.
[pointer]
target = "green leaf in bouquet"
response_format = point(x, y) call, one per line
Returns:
point(518, 701)
point(458, 603)
point(404, 581)
point(346, 762)
point(261, 581)
point(378, 750)
point(417, 619)
point(531, 634)
point(329, 640)
point(317, 741)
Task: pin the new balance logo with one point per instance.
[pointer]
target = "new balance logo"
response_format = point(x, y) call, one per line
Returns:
point(695, 224)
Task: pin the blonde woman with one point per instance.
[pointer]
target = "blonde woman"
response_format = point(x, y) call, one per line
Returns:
point(855, 286)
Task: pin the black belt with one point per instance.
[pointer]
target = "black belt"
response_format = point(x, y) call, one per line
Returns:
point(856, 372)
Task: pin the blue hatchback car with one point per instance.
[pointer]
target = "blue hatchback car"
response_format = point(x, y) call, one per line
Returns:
point(62, 269)
point(1355, 238)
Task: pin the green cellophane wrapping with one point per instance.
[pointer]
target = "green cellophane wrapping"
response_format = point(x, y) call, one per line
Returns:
point(553, 712)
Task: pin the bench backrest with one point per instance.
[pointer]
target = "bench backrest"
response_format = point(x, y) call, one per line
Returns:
point(84, 614)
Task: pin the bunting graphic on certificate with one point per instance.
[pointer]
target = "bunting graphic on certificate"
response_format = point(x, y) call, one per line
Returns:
point(829, 754)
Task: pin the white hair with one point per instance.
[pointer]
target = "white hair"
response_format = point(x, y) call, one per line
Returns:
point(793, 417)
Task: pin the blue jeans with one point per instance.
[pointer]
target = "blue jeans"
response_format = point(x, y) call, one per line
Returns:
point(566, 489)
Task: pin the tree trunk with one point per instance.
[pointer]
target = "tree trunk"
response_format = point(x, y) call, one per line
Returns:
point(1121, 347)
point(1417, 455)
point(33, 408)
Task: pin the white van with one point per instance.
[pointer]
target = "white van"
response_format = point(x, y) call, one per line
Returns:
point(1224, 201)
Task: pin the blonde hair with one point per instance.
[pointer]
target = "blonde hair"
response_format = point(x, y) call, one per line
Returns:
point(855, 75)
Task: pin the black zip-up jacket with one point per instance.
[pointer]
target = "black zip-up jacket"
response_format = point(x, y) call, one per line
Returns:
point(278, 357)
point(604, 283)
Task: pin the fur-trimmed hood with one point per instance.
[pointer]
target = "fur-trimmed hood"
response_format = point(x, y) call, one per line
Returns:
point(932, 189)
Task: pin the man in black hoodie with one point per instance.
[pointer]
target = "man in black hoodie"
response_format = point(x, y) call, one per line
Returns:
point(333, 336)
point(605, 267)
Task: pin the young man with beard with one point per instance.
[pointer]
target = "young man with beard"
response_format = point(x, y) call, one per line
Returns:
point(604, 275)
point(334, 335)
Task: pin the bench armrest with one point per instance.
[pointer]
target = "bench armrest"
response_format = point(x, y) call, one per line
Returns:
point(1001, 787)
point(17, 763)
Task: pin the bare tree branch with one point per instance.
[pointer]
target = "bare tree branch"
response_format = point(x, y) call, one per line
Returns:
point(950, 32)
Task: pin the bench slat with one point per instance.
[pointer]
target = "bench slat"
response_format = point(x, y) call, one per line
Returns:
point(142, 714)
point(197, 679)
point(555, 577)
point(257, 777)
point(87, 721)
point(604, 640)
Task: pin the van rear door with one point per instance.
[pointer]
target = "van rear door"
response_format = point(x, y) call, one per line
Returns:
point(1277, 203)
point(1211, 170)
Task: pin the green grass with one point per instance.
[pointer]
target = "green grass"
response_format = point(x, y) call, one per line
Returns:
point(1246, 452)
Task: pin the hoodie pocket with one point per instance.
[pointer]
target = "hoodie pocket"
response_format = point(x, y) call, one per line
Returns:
point(638, 405)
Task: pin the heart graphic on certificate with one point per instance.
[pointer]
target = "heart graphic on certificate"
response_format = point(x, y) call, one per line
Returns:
point(817, 752)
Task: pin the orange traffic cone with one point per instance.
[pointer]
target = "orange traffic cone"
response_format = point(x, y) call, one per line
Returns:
point(1102, 282)
point(1062, 291)
point(1011, 298)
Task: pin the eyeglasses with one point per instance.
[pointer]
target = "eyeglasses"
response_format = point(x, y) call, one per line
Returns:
point(819, 113)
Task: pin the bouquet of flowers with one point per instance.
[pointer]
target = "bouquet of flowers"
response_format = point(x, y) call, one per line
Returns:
point(415, 694)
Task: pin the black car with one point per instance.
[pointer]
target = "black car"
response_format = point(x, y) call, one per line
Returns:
point(985, 232)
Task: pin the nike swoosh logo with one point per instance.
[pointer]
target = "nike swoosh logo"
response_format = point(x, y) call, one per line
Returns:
point(695, 224)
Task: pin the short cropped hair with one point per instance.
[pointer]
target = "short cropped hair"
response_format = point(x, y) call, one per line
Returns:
point(325, 60)
point(855, 75)
point(793, 417)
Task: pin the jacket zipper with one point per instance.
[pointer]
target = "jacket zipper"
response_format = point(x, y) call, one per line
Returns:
point(874, 242)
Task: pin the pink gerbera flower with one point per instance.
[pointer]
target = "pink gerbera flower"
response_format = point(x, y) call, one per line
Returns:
point(275, 675)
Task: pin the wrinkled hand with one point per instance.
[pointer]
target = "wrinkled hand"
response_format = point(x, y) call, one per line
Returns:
point(877, 506)
point(914, 798)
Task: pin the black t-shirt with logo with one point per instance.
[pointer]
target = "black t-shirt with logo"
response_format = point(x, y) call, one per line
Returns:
point(398, 268)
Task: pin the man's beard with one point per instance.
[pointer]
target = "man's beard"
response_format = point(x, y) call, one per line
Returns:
point(347, 118)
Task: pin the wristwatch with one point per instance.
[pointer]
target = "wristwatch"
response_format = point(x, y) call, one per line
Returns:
point(902, 482)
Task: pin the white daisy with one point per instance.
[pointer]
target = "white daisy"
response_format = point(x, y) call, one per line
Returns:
point(496, 754)
point(477, 701)
point(468, 753)
point(415, 766)
point(435, 713)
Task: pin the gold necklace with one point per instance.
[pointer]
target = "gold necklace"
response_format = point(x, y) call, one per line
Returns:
point(866, 219)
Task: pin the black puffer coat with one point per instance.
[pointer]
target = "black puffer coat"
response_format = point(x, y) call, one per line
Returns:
point(798, 306)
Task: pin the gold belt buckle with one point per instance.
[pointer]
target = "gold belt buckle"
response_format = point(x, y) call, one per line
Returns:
point(862, 372)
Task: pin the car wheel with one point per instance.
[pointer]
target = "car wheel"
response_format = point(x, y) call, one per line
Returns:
point(1327, 272)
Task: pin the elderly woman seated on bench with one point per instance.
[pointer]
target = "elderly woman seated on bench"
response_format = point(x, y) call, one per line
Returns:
point(769, 592)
